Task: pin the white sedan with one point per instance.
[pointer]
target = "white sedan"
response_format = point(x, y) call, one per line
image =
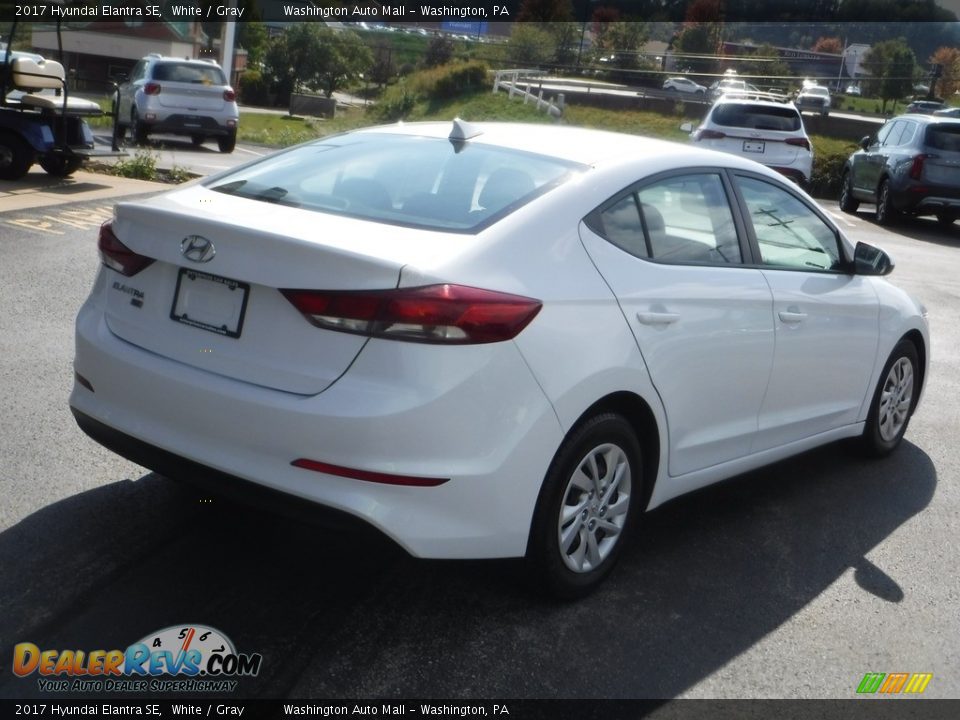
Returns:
point(684, 85)
point(490, 340)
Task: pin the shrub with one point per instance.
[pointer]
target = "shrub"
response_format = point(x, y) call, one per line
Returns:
point(440, 83)
point(254, 89)
point(142, 166)
point(827, 173)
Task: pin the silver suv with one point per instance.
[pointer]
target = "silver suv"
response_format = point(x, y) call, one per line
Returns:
point(179, 97)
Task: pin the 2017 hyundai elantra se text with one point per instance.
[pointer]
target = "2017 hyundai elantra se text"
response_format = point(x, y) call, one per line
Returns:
point(491, 340)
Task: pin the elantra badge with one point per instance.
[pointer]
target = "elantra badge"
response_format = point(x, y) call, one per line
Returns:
point(197, 248)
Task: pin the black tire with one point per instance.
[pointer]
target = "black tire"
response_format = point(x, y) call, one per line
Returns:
point(885, 214)
point(16, 156)
point(227, 143)
point(893, 401)
point(945, 219)
point(848, 203)
point(198, 140)
point(593, 542)
point(60, 166)
point(138, 130)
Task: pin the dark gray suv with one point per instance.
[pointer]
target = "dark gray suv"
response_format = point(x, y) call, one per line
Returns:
point(910, 167)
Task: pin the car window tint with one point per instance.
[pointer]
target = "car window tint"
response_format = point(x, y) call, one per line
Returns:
point(688, 219)
point(892, 135)
point(882, 134)
point(944, 137)
point(789, 234)
point(622, 226)
point(195, 74)
point(138, 70)
point(757, 117)
point(909, 128)
point(403, 179)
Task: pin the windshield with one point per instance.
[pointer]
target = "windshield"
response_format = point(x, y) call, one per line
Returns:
point(401, 179)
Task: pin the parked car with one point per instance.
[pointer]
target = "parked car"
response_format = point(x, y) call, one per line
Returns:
point(768, 131)
point(490, 340)
point(814, 98)
point(179, 97)
point(911, 166)
point(684, 85)
point(924, 107)
point(953, 112)
point(853, 90)
point(721, 87)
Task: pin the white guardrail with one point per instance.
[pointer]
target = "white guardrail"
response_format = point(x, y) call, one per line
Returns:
point(518, 82)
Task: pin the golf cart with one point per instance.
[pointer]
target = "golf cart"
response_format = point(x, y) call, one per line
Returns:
point(39, 120)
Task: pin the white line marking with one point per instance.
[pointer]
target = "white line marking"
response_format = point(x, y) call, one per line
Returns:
point(843, 219)
point(249, 152)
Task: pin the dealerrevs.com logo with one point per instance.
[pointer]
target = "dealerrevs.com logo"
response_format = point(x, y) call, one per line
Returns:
point(180, 658)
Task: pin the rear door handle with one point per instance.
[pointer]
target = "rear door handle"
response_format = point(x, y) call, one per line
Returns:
point(789, 316)
point(657, 318)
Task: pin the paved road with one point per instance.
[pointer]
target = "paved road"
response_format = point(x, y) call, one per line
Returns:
point(172, 151)
point(791, 581)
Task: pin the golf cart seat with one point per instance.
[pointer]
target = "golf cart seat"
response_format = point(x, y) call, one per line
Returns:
point(32, 75)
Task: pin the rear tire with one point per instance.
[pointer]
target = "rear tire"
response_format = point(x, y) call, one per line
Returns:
point(137, 129)
point(848, 203)
point(886, 214)
point(946, 220)
point(16, 156)
point(587, 507)
point(198, 140)
point(227, 143)
point(60, 166)
point(893, 401)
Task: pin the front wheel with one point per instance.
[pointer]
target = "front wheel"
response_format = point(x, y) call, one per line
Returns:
point(587, 506)
point(893, 401)
point(16, 157)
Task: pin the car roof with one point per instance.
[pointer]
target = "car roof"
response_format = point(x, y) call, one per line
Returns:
point(584, 146)
point(749, 99)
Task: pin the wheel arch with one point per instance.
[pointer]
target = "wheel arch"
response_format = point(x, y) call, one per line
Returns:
point(916, 337)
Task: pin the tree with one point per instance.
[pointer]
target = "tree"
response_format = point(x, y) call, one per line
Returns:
point(566, 37)
point(622, 41)
point(697, 39)
point(529, 45)
point(439, 51)
point(765, 62)
point(832, 45)
point(545, 11)
point(891, 64)
point(344, 58)
point(252, 37)
point(949, 59)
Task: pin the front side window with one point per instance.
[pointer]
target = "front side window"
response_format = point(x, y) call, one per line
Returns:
point(790, 235)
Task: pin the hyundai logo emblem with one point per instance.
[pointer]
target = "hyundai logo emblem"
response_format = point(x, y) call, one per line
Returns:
point(197, 248)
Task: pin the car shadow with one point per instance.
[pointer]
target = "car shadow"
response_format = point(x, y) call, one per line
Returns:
point(924, 229)
point(342, 615)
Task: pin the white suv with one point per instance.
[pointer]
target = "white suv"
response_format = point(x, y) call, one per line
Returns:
point(814, 98)
point(179, 97)
point(761, 128)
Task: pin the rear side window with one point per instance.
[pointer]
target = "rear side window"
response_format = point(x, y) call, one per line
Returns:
point(401, 179)
point(944, 137)
point(757, 117)
point(181, 72)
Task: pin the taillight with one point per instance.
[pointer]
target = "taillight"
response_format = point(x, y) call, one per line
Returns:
point(916, 168)
point(151, 88)
point(441, 314)
point(799, 142)
point(709, 135)
point(229, 95)
point(117, 256)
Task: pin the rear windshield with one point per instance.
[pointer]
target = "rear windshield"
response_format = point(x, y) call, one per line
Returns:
point(944, 137)
point(401, 179)
point(757, 117)
point(181, 72)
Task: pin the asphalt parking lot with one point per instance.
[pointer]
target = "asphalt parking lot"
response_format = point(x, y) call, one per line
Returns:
point(792, 581)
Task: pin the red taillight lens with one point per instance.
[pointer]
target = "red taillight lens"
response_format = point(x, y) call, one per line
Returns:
point(152, 88)
point(117, 256)
point(916, 168)
point(799, 142)
point(229, 95)
point(710, 135)
point(442, 314)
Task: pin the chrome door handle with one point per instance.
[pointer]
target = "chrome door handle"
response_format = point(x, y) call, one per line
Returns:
point(789, 316)
point(657, 318)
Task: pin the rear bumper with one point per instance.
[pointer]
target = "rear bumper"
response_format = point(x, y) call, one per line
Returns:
point(190, 125)
point(478, 420)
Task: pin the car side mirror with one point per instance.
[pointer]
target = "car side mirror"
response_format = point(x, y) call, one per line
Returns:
point(870, 260)
point(865, 142)
point(686, 127)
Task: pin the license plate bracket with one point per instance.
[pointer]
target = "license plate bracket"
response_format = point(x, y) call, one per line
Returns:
point(210, 302)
